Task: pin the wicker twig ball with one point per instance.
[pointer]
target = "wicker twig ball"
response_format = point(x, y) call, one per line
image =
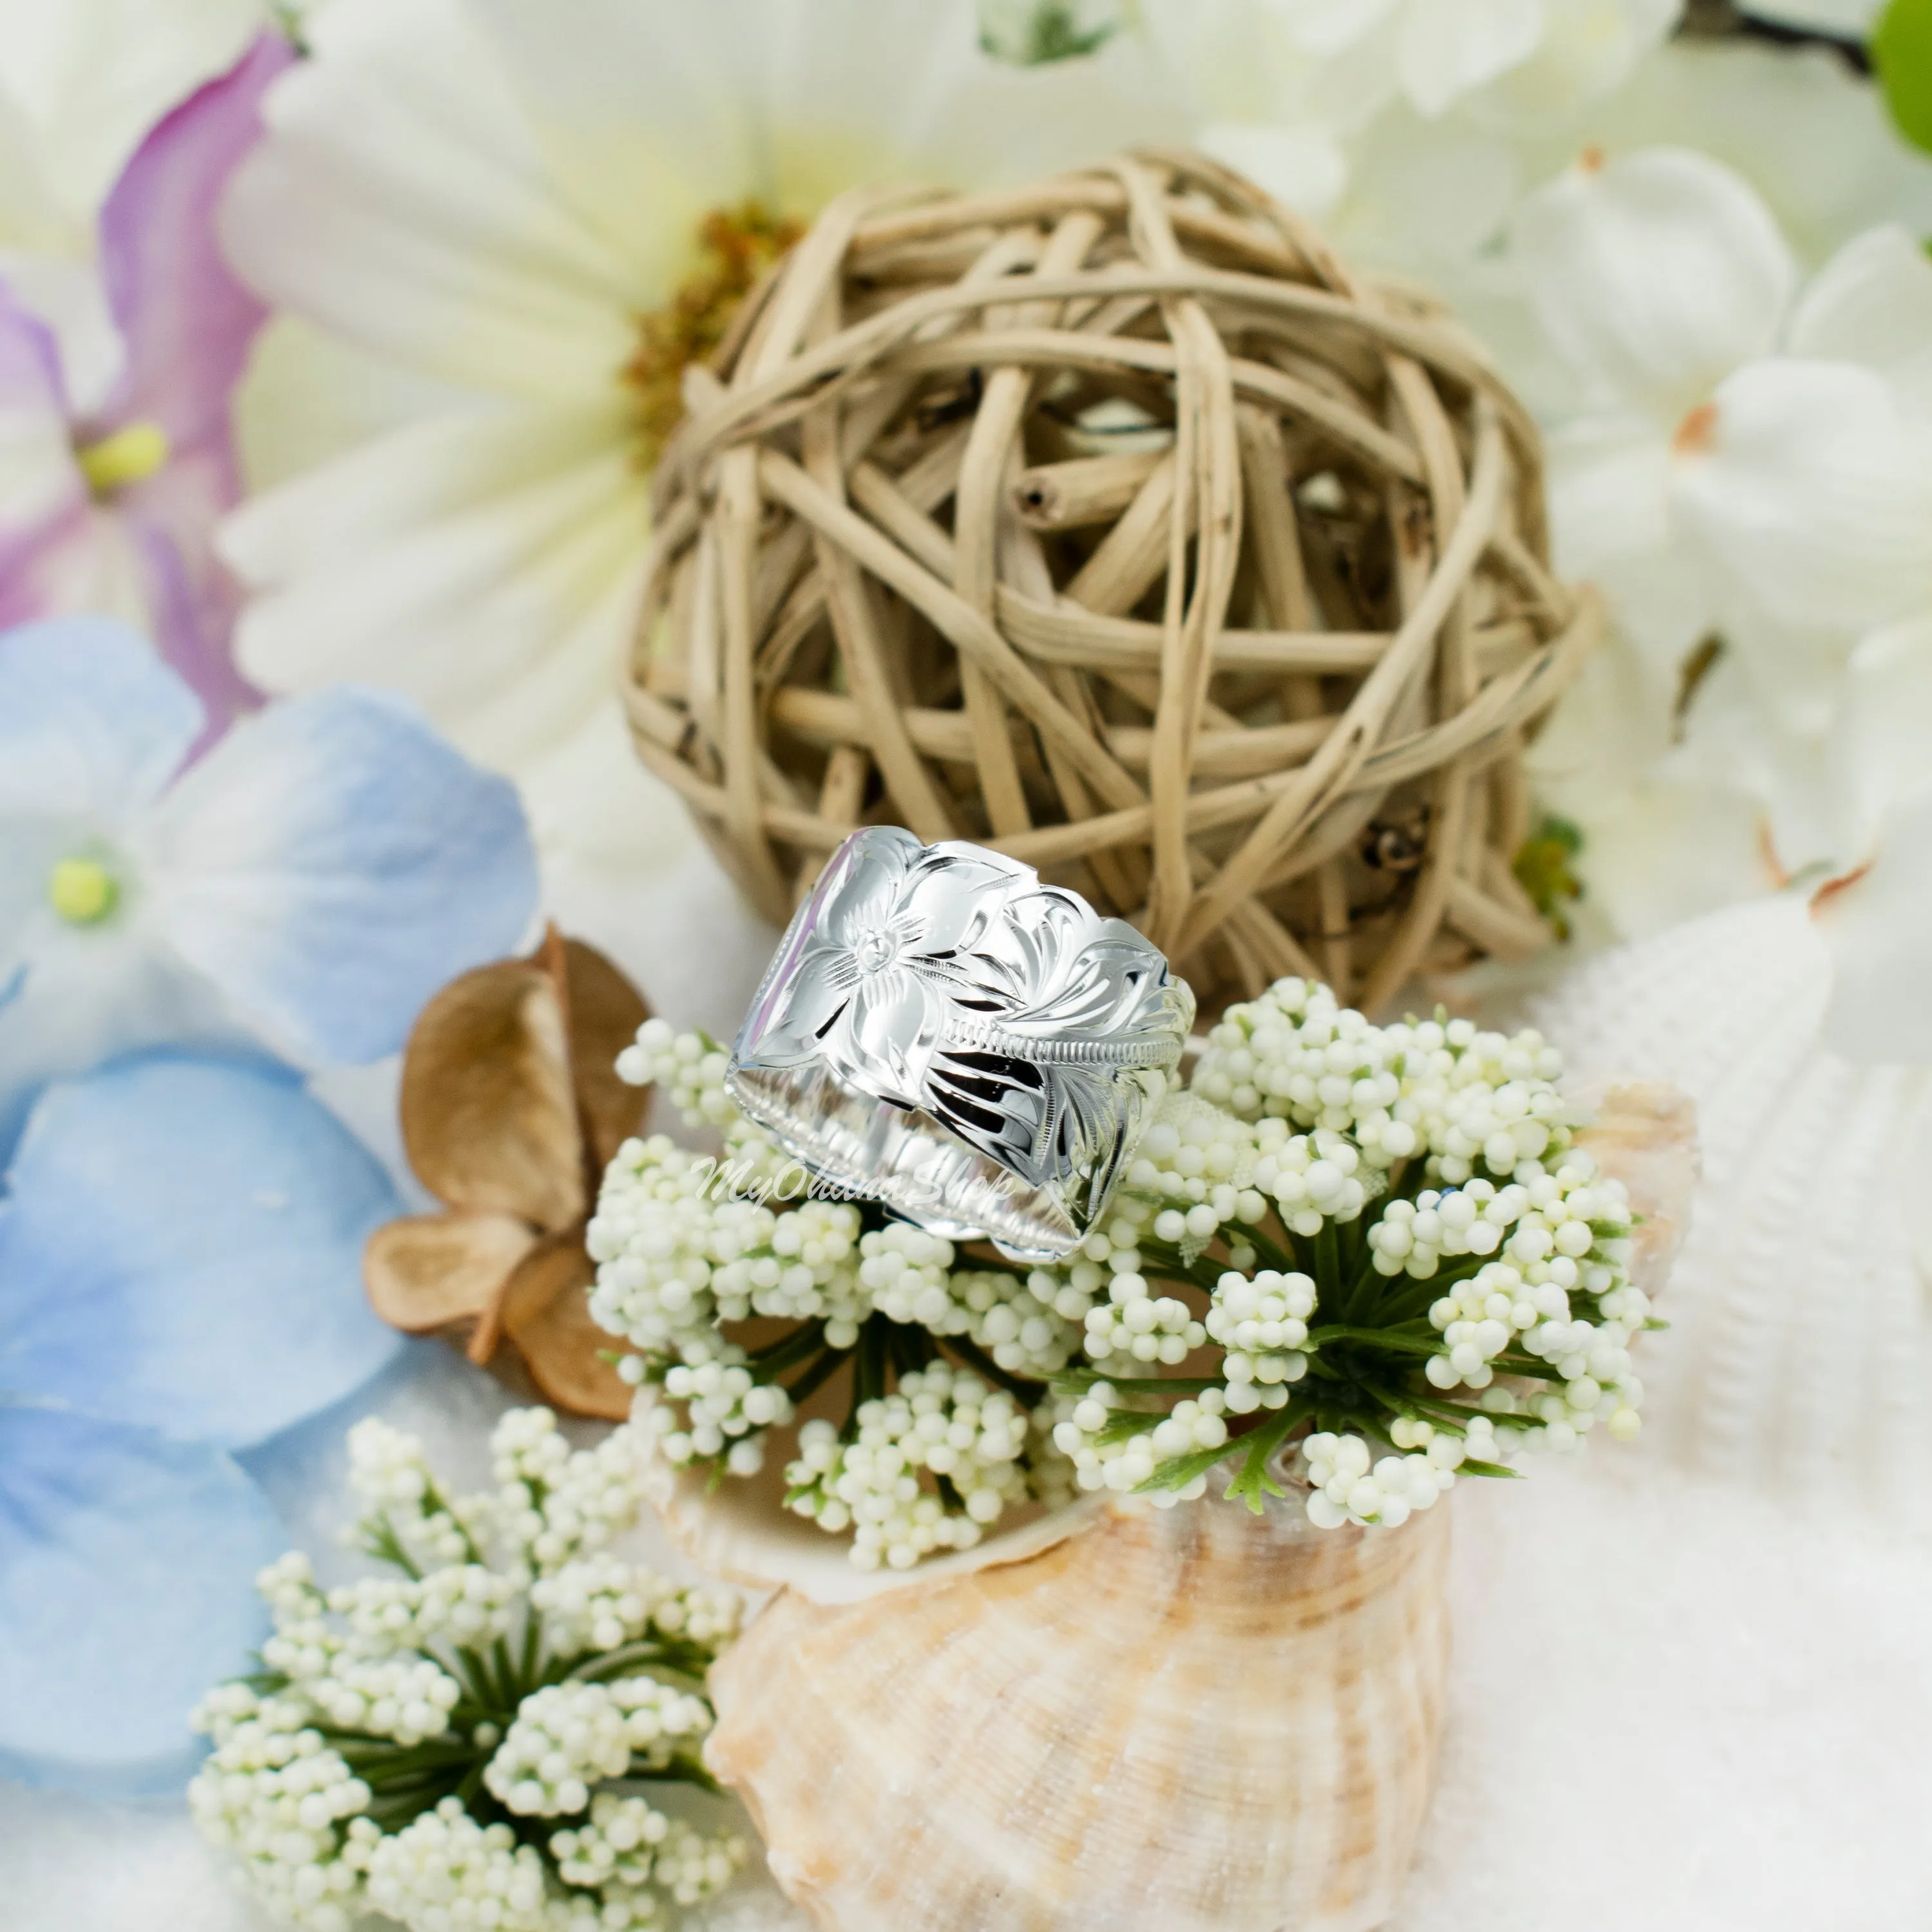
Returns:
point(1115, 523)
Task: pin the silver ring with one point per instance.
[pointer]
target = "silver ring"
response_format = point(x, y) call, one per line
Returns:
point(941, 1033)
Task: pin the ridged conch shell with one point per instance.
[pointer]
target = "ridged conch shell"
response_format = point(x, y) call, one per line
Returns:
point(1114, 1719)
point(1192, 1720)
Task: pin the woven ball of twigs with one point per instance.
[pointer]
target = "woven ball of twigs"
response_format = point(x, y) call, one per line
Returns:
point(1115, 523)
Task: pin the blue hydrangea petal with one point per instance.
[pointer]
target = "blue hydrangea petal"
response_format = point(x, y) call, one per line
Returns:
point(87, 994)
point(127, 1562)
point(332, 862)
point(182, 1247)
point(92, 723)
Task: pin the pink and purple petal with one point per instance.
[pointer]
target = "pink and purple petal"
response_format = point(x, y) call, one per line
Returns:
point(187, 319)
point(43, 499)
point(188, 323)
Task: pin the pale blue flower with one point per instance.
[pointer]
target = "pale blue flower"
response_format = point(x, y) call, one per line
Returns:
point(307, 884)
point(180, 1278)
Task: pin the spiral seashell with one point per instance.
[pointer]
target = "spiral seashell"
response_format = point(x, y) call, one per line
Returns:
point(1186, 1720)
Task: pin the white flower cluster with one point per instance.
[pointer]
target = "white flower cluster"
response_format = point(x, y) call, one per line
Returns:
point(601, 1603)
point(445, 1869)
point(567, 1737)
point(1347, 1482)
point(273, 1793)
point(1123, 1463)
point(688, 1066)
point(1261, 1323)
point(370, 1680)
point(1273, 1216)
point(727, 1411)
point(1134, 1322)
point(552, 1504)
point(1303, 1110)
point(682, 1246)
point(939, 1419)
point(1437, 1087)
point(525, 1657)
point(910, 1276)
point(629, 1842)
point(686, 1244)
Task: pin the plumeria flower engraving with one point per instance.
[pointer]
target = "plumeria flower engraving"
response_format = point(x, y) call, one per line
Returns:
point(116, 456)
point(179, 1279)
point(874, 988)
point(307, 883)
point(949, 983)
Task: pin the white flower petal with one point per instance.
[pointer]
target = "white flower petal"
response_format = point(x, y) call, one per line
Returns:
point(1807, 485)
point(1881, 747)
point(1808, 133)
point(1795, 672)
point(1655, 275)
point(1609, 485)
point(1428, 192)
point(1451, 47)
point(1302, 167)
point(401, 200)
point(1614, 722)
point(1877, 924)
point(90, 77)
point(485, 564)
point(307, 396)
point(851, 91)
point(643, 111)
point(1302, 63)
point(1872, 303)
point(1669, 848)
point(1235, 62)
point(1733, 739)
point(1587, 49)
point(1329, 27)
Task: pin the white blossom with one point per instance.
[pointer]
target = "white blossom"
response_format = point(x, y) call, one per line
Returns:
point(531, 1665)
point(940, 1419)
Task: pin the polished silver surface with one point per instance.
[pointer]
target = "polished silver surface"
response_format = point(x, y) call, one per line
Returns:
point(940, 1032)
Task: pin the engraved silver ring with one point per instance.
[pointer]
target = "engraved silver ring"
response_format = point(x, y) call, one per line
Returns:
point(941, 1033)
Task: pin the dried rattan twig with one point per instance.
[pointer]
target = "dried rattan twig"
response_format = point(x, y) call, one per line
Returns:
point(1115, 523)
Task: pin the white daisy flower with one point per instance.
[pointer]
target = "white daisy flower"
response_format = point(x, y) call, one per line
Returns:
point(511, 224)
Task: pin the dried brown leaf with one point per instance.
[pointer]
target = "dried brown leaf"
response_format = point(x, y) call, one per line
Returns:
point(606, 1011)
point(546, 1313)
point(429, 1273)
point(488, 1115)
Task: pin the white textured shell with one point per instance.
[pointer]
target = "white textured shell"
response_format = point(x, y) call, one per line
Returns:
point(1195, 1719)
point(1801, 1340)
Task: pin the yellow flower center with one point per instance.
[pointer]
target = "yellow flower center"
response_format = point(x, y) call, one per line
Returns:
point(82, 891)
point(735, 248)
point(129, 455)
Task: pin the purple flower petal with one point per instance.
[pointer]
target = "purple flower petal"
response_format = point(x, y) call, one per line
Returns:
point(187, 321)
point(192, 598)
point(44, 500)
